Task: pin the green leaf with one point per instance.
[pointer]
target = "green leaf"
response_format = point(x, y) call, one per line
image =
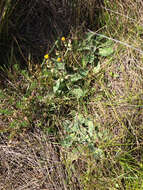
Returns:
point(91, 128)
point(80, 119)
point(60, 66)
point(106, 44)
point(96, 69)
point(84, 73)
point(25, 74)
point(75, 77)
point(91, 58)
point(106, 51)
point(57, 86)
point(78, 92)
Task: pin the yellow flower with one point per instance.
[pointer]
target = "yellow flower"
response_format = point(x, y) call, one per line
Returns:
point(59, 59)
point(46, 56)
point(63, 38)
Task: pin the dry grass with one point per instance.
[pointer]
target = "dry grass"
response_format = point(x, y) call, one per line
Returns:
point(31, 159)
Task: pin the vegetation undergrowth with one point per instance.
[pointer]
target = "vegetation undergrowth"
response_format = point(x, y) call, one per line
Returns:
point(85, 99)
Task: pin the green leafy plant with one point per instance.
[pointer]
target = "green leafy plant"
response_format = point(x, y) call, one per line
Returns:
point(82, 131)
point(70, 82)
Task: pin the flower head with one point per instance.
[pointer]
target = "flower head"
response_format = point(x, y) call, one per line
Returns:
point(46, 56)
point(59, 59)
point(63, 39)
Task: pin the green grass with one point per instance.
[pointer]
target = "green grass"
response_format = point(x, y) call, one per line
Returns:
point(76, 117)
